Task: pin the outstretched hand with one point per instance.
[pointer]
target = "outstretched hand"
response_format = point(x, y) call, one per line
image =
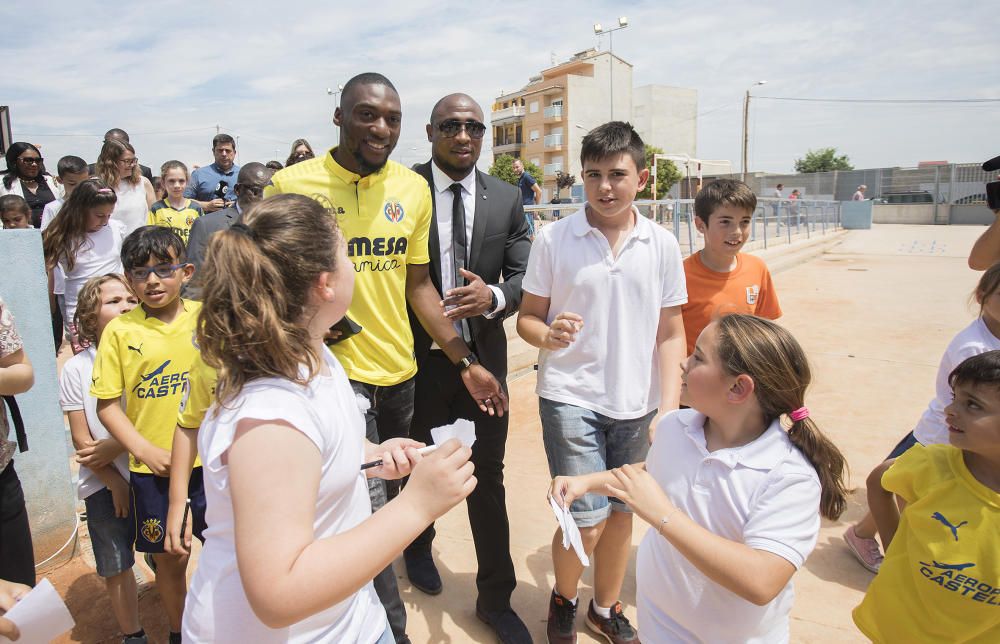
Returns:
point(467, 301)
point(485, 390)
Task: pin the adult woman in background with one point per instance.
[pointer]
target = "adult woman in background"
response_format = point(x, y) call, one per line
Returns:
point(301, 150)
point(119, 168)
point(26, 177)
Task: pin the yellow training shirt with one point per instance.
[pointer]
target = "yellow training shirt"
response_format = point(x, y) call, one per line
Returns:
point(386, 220)
point(940, 580)
point(147, 362)
point(179, 221)
point(199, 394)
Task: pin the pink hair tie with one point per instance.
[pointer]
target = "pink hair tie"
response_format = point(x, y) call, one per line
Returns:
point(104, 190)
point(799, 414)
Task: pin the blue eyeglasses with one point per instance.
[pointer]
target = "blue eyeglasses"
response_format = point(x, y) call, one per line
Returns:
point(163, 271)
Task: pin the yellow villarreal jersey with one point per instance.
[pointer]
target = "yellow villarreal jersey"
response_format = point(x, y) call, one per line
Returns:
point(147, 362)
point(385, 218)
point(940, 580)
point(199, 394)
point(179, 221)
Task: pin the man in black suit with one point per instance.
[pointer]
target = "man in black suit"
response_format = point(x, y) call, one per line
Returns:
point(478, 235)
point(250, 184)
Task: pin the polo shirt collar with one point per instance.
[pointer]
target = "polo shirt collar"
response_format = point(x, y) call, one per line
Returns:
point(225, 173)
point(346, 175)
point(764, 453)
point(642, 229)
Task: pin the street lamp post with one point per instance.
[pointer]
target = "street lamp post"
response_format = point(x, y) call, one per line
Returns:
point(746, 114)
point(598, 30)
point(335, 93)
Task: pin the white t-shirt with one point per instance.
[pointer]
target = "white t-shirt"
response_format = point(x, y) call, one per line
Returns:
point(74, 395)
point(611, 368)
point(49, 212)
point(764, 494)
point(131, 208)
point(974, 339)
point(99, 254)
point(326, 412)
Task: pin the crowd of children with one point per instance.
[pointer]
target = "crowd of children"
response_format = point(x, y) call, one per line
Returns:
point(666, 390)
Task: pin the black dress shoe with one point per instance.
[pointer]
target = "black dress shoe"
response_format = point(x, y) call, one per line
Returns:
point(423, 573)
point(506, 624)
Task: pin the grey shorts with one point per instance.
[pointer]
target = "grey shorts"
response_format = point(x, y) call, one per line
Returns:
point(112, 537)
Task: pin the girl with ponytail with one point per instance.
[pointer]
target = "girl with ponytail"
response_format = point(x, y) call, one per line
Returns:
point(292, 544)
point(733, 488)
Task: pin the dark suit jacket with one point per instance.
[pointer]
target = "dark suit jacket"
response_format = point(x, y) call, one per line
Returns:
point(500, 247)
point(201, 230)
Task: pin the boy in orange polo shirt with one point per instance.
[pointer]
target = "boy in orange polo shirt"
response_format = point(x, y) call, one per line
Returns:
point(720, 279)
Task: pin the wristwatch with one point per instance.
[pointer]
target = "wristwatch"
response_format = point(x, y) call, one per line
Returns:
point(493, 301)
point(467, 361)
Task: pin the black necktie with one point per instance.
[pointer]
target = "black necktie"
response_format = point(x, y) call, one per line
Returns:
point(459, 242)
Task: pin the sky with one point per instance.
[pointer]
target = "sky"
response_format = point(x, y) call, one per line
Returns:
point(169, 73)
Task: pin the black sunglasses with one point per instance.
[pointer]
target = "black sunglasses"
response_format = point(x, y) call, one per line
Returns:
point(30, 160)
point(452, 127)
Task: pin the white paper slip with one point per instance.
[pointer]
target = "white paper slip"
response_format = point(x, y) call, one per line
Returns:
point(571, 533)
point(462, 429)
point(41, 615)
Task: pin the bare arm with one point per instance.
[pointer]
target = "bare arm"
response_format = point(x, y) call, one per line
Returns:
point(882, 505)
point(755, 575)
point(286, 572)
point(183, 452)
point(534, 330)
point(150, 193)
point(113, 417)
point(671, 345)
point(538, 193)
point(16, 374)
point(986, 250)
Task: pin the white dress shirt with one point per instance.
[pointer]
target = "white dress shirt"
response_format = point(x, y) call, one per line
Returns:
point(443, 201)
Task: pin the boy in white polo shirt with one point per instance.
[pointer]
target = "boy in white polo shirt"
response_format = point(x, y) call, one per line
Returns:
point(602, 300)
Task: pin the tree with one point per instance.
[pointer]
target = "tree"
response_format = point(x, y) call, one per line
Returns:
point(667, 175)
point(503, 169)
point(823, 160)
point(563, 180)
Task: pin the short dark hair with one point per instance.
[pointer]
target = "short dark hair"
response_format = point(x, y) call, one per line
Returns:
point(71, 165)
point(611, 139)
point(274, 165)
point(15, 202)
point(366, 78)
point(116, 133)
point(982, 369)
point(222, 139)
point(151, 241)
point(724, 192)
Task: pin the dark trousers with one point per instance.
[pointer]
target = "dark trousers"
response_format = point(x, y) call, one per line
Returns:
point(390, 410)
point(17, 557)
point(441, 398)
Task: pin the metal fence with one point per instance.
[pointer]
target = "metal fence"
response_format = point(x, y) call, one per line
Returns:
point(955, 183)
point(774, 222)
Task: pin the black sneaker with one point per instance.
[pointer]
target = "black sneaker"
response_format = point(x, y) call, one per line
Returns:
point(509, 628)
point(562, 620)
point(135, 639)
point(616, 629)
point(423, 573)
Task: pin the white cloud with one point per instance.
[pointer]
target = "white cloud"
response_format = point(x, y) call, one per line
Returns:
point(260, 70)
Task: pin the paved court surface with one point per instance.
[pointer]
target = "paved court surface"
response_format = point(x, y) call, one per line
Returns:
point(874, 313)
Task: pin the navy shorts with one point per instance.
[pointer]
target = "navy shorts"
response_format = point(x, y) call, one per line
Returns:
point(111, 537)
point(150, 500)
point(902, 446)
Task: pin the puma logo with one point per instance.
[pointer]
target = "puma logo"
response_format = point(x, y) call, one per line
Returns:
point(93, 380)
point(137, 349)
point(954, 528)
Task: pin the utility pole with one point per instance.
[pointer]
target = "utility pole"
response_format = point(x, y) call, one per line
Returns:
point(746, 134)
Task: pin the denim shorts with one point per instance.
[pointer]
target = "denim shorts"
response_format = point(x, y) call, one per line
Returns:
point(111, 537)
point(580, 441)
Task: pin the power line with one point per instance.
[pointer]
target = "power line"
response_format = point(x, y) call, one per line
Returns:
point(101, 135)
point(879, 100)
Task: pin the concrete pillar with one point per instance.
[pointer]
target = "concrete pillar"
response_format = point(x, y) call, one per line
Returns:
point(44, 469)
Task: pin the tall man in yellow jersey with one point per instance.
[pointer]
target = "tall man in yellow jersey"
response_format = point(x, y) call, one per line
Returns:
point(384, 211)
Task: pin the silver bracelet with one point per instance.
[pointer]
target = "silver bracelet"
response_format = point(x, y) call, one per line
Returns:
point(665, 520)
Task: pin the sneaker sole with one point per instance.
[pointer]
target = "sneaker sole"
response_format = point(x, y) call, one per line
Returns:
point(864, 564)
point(597, 629)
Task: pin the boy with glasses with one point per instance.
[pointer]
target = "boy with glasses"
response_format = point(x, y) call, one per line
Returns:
point(144, 358)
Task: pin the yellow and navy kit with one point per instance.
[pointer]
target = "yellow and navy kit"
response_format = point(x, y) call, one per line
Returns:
point(178, 220)
point(385, 218)
point(147, 363)
point(199, 394)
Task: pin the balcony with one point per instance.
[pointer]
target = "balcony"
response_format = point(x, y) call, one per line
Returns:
point(508, 114)
point(506, 146)
point(550, 169)
point(554, 141)
point(554, 112)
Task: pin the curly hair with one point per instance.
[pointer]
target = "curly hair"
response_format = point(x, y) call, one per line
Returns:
point(88, 304)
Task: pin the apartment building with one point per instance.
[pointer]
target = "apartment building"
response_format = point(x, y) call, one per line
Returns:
point(544, 121)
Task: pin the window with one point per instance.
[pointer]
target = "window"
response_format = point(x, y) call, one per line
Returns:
point(533, 136)
point(533, 107)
